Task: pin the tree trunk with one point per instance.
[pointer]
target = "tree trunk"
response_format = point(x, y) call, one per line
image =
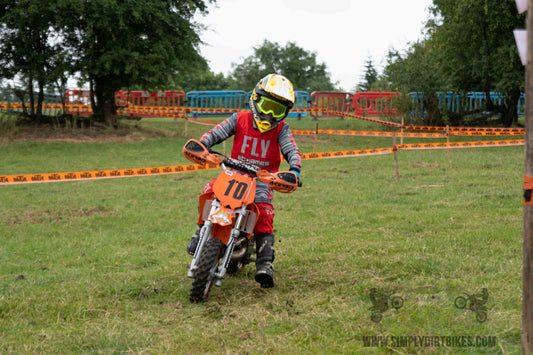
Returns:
point(105, 109)
point(30, 93)
point(40, 99)
point(527, 247)
point(510, 112)
point(431, 105)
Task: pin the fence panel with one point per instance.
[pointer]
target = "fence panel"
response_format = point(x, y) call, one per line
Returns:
point(459, 102)
point(331, 101)
point(374, 103)
point(140, 103)
point(78, 102)
point(301, 102)
point(219, 101)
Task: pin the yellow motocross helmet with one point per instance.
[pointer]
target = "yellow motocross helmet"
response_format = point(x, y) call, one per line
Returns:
point(271, 101)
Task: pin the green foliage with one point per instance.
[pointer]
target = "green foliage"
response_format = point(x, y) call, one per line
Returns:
point(370, 76)
point(203, 80)
point(7, 126)
point(473, 35)
point(415, 70)
point(469, 47)
point(295, 63)
point(113, 44)
point(123, 44)
point(31, 49)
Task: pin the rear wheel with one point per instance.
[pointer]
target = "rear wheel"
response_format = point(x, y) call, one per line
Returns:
point(203, 277)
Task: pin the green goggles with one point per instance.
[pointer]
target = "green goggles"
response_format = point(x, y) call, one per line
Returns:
point(269, 106)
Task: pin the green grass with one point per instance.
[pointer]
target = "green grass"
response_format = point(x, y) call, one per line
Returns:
point(100, 266)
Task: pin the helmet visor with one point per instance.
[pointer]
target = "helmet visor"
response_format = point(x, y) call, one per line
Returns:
point(269, 106)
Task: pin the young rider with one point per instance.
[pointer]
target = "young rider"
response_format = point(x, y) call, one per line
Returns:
point(260, 135)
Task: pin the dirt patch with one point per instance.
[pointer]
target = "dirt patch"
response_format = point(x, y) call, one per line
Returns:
point(45, 132)
point(37, 216)
point(424, 165)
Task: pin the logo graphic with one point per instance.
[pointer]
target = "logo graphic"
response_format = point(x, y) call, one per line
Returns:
point(381, 302)
point(475, 303)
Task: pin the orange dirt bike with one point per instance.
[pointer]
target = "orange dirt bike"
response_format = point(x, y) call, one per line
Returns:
point(228, 215)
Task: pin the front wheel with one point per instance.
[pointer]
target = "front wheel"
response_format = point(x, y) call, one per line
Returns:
point(460, 302)
point(207, 264)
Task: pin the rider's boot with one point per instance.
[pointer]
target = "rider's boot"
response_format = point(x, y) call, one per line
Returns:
point(265, 256)
point(193, 243)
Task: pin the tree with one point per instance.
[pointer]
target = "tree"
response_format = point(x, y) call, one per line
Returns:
point(30, 48)
point(469, 47)
point(202, 80)
point(295, 63)
point(477, 49)
point(370, 76)
point(417, 70)
point(121, 44)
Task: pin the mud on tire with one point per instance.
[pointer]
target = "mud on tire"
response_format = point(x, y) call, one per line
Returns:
point(203, 279)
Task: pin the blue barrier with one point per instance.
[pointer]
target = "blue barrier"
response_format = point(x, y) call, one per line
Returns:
point(8, 95)
point(454, 101)
point(301, 101)
point(217, 99)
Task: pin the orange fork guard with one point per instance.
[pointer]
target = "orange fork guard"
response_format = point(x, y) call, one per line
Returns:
point(222, 232)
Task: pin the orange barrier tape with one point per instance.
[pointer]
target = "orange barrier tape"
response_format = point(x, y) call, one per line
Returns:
point(161, 170)
point(369, 133)
point(100, 174)
point(424, 128)
point(10, 105)
point(456, 131)
point(145, 109)
point(489, 132)
point(344, 114)
point(472, 131)
point(301, 132)
point(444, 145)
point(347, 153)
point(528, 190)
point(173, 169)
point(488, 129)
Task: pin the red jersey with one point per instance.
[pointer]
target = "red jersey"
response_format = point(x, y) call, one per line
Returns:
point(250, 145)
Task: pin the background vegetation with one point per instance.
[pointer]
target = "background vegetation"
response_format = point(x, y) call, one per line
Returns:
point(100, 266)
point(148, 45)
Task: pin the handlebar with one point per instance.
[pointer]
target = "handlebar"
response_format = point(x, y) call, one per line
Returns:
point(283, 181)
point(239, 165)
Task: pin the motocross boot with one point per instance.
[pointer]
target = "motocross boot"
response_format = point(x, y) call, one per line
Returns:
point(193, 243)
point(265, 256)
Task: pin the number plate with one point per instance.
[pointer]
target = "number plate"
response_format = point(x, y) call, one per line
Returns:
point(233, 189)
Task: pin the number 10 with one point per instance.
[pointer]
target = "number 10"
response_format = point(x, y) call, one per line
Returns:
point(240, 189)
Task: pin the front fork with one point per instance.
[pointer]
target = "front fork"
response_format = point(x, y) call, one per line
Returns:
point(206, 233)
point(235, 232)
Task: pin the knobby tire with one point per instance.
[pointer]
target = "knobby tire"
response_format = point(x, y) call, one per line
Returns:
point(203, 278)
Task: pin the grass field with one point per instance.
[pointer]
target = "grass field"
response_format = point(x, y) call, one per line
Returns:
point(100, 266)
